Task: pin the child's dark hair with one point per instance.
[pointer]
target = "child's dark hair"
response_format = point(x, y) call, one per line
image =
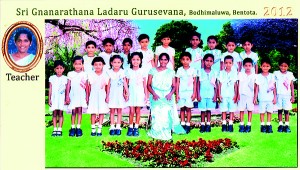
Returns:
point(59, 63)
point(247, 60)
point(164, 54)
point(143, 36)
point(134, 54)
point(108, 40)
point(230, 39)
point(98, 59)
point(197, 34)
point(165, 35)
point(78, 58)
point(265, 60)
point(185, 54)
point(246, 39)
point(127, 40)
point(116, 57)
point(284, 60)
point(228, 57)
point(212, 37)
point(28, 34)
point(208, 55)
point(90, 43)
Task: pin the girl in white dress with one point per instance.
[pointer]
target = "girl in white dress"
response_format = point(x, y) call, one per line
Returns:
point(97, 84)
point(117, 93)
point(56, 100)
point(186, 89)
point(77, 95)
point(136, 78)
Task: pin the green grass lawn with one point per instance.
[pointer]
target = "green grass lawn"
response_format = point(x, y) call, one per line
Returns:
point(256, 149)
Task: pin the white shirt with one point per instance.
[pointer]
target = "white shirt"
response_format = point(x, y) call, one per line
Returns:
point(253, 56)
point(197, 56)
point(246, 84)
point(266, 85)
point(207, 83)
point(186, 78)
point(147, 58)
point(169, 50)
point(283, 82)
point(228, 80)
point(236, 59)
point(88, 63)
point(106, 57)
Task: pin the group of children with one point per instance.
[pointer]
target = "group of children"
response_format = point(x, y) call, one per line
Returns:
point(110, 82)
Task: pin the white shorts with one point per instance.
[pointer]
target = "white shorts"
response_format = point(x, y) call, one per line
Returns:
point(185, 99)
point(284, 102)
point(266, 106)
point(245, 102)
point(206, 104)
point(228, 105)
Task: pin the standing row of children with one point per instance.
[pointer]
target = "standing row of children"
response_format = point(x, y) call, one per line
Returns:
point(206, 77)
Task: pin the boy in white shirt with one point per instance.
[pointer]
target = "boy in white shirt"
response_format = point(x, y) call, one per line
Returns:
point(108, 44)
point(230, 46)
point(90, 48)
point(247, 45)
point(165, 48)
point(285, 93)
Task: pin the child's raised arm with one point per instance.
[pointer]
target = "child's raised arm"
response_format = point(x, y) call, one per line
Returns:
point(49, 94)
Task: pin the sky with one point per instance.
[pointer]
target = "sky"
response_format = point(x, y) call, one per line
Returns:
point(205, 26)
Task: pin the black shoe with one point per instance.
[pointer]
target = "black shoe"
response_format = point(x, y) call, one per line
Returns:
point(280, 128)
point(202, 129)
point(93, 133)
point(78, 132)
point(224, 128)
point(242, 128)
point(230, 128)
point(263, 129)
point(287, 129)
point(112, 132)
point(72, 132)
point(269, 129)
point(136, 132)
point(54, 133)
point(99, 134)
point(130, 132)
point(58, 133)
point(207, 128)
point(247, 129)
point(184, 127)
point(117, 132)
point(187, 129)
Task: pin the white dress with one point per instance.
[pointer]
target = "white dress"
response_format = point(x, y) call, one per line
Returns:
point(106, 57)
point(58, 92)
point(77, 92)
point(97, 96)
point(24, 61)
point(116, 98)
point(88, 64)
point(136, 87)
point(148, 56)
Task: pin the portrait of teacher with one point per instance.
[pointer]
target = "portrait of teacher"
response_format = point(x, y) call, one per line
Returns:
point(22, 41)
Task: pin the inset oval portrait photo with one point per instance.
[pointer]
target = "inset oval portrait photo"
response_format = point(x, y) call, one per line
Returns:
point(22, 46)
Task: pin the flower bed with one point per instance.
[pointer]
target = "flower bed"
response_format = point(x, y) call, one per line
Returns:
point(168, 154)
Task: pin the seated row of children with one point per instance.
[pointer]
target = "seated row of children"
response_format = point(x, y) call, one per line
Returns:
point(87, 87)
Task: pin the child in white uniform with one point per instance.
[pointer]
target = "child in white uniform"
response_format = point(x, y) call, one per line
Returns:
point(77, 95)
point(186, 89)
point(90, 48)
point(117, 93)
point(266, 94)
point(127, 45)
point(237, 62)
point(196, 51)
point(165, 48)
point(136, 78)
point(108, 44)
point(212, 42)
point(96, 94)
point(247, 45)
point(56, 98)
point(285, 93)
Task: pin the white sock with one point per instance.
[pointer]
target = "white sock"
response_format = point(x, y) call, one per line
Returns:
point(59, 129)
point(286, 123)
point(99, 126)
point(118, 126)
point(249, 123)
point(131, 125)
point(280, 123)
point(73, 126)
point(93, 130)
point(188, 124)
point(202, 123)
point(268, 123)
point(136, 126)
point(112, 127)
point(99, 130)
point(224, 122)
point(262, 123)
point(93, 126)
point(55, 129)
point(230, 122)
point(208, 123)
point(242, 123)
point(182, 123)
point(78, 126)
